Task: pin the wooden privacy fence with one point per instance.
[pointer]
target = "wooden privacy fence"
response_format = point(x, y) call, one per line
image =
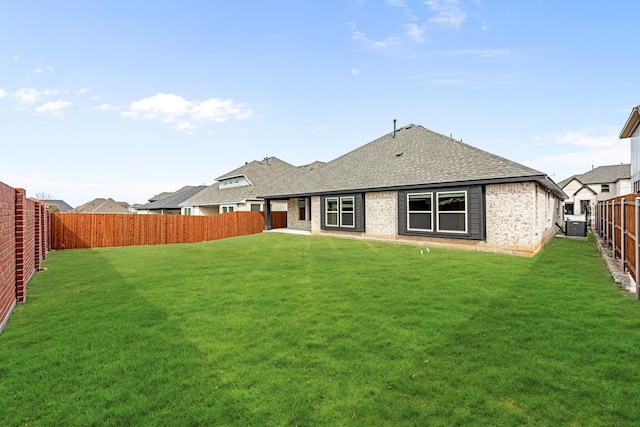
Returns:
point(617, 223)
point(75, 231)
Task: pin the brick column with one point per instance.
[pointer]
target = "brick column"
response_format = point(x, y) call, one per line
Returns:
point(38, 237)
point(21, 274)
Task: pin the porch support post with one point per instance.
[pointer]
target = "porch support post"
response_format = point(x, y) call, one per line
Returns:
point(267, 214)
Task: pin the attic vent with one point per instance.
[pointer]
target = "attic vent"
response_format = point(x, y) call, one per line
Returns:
point(399, 153)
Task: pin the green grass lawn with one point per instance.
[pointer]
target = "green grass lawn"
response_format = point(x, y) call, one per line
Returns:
point(283, 330)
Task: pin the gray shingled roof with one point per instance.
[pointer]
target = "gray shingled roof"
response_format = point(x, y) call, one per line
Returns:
point(61, 205)
point(416, 156)
point(262, 175)
point(100, 205)
point(601, 175)
point(174, 199)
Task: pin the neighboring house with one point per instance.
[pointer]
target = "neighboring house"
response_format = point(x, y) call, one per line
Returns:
point(632, 130)
point(100, 205)
point(170, 203)
point(57, 205)
point(415, 185)
point(601, 183)
point(239, 189)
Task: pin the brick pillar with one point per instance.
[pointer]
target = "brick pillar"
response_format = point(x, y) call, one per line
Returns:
point(21, 274)
point(38, 236)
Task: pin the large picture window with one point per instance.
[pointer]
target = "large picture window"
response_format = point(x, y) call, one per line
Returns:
point(452, 212)
point(419, 212)
point(339, 212)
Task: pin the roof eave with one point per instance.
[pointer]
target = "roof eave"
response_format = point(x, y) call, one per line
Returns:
point(543, 180)
point(632, 123)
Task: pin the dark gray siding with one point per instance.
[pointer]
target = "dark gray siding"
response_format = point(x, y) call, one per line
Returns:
point(476, 224)
point(358, 199)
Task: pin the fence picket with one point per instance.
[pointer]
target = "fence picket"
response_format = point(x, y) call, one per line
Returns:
point(72, 230)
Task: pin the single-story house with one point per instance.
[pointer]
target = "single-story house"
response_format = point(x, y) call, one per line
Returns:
point(601, 183)
point(415, 185)
point(169, 204)
point(238, 190)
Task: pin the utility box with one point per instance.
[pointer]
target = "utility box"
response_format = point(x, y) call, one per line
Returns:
point(576, 228)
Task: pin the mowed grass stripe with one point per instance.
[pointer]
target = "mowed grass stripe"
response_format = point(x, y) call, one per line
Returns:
point(277, 329)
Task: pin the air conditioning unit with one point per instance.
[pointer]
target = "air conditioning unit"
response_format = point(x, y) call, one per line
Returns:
point(576, 228)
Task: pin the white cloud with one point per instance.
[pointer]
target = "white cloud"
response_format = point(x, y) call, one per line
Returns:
point(591, 137)
point(185, 127)
point(105, 107)
point(483, 53)
point(37, 71)
point(29, 96)
point(579, 151)
point(3, 93)
point(447, 12)
point(321, 129)
point(219, 110)
point(414, 32)
point(380, 44)
point(170, 108)
point(163, 105)
point(54, 108)
point(354, 71)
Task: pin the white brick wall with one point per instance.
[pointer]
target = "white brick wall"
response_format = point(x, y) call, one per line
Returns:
point(381, 210)
point(520, 218)
point(293, 214)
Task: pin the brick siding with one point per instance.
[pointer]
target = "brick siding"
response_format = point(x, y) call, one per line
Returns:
point(24, 242)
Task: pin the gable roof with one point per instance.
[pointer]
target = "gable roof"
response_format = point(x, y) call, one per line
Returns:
point(411, 156)
point(173, 200)
point(601, 175)
point(61, 205)
point(584, 186)
point(632, 123)
point(261, 175)
point(100, 205)
point(166, 194)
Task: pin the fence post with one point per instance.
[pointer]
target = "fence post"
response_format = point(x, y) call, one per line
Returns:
point(613, 227)
point(605, 232)
point(623, 232)
point(637, 242)
point(599, 219)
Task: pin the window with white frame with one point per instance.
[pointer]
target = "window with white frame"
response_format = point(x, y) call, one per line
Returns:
point(227, 209)
point(420, 212)
point(452, 211)
point(340, 211)
point(347, 212)
point(605, 188)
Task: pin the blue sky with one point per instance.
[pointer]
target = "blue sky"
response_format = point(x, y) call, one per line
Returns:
point(126, 99)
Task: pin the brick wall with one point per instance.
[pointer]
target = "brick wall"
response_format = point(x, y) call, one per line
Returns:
point(24, 242)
